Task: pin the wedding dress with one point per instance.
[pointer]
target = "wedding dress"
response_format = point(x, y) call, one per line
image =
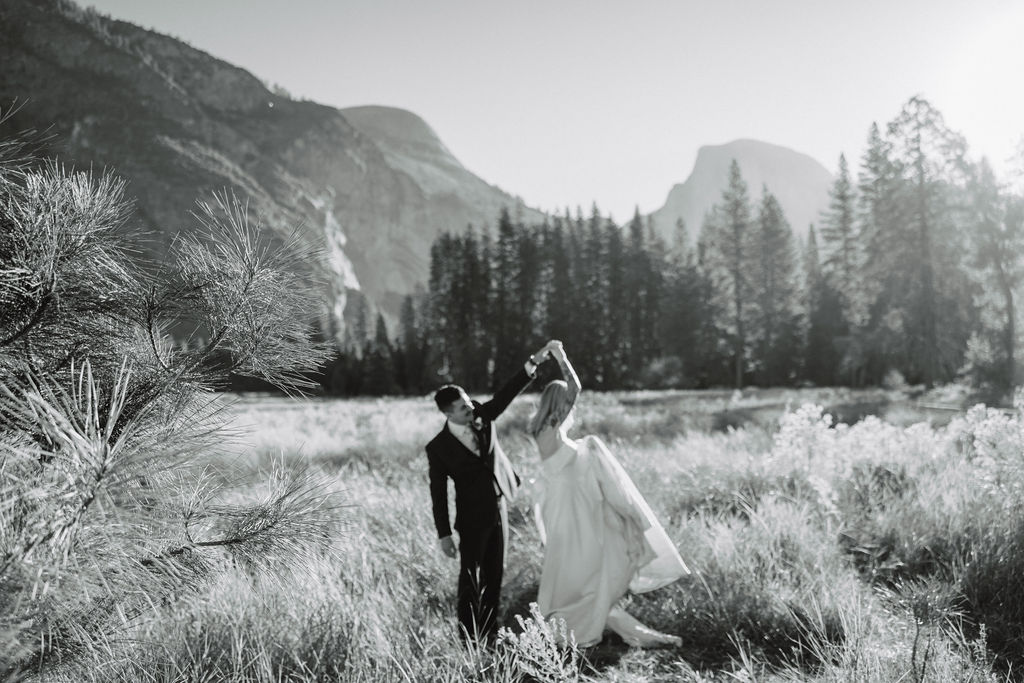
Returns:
point(601, 539)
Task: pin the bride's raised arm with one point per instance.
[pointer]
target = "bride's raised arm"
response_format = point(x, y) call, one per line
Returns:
point(568, 372)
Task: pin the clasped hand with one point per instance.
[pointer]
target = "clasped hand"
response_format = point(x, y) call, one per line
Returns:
point(553, 347)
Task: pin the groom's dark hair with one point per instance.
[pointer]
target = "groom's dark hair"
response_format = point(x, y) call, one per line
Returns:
point(447, 395)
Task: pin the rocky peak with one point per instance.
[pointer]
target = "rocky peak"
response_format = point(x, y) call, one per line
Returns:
point(799, 182)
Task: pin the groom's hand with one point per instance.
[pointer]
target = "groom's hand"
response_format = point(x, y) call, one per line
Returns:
point(448, 546)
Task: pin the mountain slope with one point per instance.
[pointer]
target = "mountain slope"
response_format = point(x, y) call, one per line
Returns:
point(800, 183)
point(374, 184)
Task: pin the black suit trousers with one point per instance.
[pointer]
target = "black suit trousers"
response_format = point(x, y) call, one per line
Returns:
point(482, 559)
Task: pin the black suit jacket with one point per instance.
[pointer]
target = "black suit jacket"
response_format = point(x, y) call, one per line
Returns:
point(476, 502)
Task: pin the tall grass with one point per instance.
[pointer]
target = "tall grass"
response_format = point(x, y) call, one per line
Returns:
point(863, 553)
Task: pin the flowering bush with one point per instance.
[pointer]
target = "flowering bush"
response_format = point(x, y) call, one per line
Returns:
point(544, 649)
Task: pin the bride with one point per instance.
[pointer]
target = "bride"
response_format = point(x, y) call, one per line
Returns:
point(600, 536)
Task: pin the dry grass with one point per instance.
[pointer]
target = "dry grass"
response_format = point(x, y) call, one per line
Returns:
point(850, 554)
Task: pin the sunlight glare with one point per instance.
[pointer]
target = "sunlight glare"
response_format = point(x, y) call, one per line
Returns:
point(985, 100)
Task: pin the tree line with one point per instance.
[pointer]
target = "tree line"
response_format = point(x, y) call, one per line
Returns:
point(910, 275)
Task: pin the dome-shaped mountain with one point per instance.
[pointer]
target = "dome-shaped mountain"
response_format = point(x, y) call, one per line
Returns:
point(400, 131)
point(800, 183)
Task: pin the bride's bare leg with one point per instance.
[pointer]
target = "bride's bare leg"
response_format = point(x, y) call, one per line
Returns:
point(635, 633)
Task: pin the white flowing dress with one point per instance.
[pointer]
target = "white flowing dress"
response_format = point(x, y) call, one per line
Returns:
point(601, 539)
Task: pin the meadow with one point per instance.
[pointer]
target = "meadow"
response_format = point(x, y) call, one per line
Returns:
point(883, 550)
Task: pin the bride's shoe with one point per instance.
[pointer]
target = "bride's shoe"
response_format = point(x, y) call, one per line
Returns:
point(636, 634)
point(648, 638)
point(666, 640)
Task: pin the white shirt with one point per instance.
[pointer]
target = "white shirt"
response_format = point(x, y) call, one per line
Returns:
point(464, 433)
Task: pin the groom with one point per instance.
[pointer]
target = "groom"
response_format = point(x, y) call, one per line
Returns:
point(467, 451)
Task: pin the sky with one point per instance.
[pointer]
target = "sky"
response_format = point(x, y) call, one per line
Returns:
point(567, 103)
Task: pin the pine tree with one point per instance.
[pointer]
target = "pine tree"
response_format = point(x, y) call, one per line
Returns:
point(360, 324)
point(459, 320)
point(840, 241)
point(581, 266)
point(685, 326)
point(482, 294)
point(592, 277)
point(378, 363)
point(614, 336)
point(469, 349)
point(726, 238)
point(656, 264)
point(413, 347)
point(775, 328)
point(561, 299)
point(997, 219)
point(443, 325)
point(880, 217)
point(635, 315)
point(936, 302)
point(826, 325)
point(644, 273)
point(529, 317)
point(506, 309)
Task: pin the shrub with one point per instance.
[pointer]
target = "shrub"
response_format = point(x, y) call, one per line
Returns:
point(992, 588)
point(894, 381)
point(986, 367)
point(540, 649)
point(666, 372)
point(928, 507)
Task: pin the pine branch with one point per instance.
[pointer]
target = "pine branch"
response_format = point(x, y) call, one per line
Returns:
point(102, 513)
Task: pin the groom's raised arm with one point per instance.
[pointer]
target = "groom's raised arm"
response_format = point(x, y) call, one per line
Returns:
point(496, 406)
point(513, 387)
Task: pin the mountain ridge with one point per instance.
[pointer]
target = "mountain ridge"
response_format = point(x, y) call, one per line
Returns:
point(178, 124)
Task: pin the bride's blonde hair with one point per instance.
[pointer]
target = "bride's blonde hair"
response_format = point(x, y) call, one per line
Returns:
point(553, 407)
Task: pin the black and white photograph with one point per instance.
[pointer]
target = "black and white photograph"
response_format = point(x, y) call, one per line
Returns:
point(458, 341)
